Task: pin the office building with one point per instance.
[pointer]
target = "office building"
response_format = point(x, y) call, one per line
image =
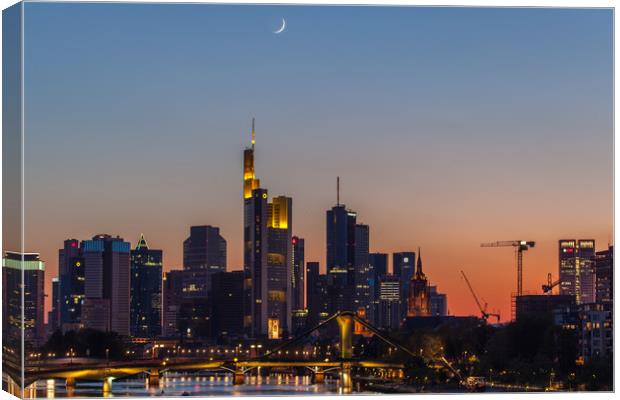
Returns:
point(340, 235)
point(146, 298)
point(403, 265)
point(364, 274)
point(541, 306)
point(53, 316)
point(379, 263)
point(577, 276)
point(379, 267)
point(27, 292)
point(297, 283)
point(438, 302)
point(279, 261)
point(172, 293)
point(204, 254)
point(604, 272)
point(227, 303)
point(389, 302)
point(107, 275)
point(71, 285)
point(596, 336)
point(312, 292)
point(418, 303)
point(299, 321)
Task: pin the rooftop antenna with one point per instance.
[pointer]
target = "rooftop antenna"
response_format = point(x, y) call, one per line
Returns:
point(337, 191)
point(253, 134)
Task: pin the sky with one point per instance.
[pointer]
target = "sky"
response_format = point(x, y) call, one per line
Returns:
point(448, 127)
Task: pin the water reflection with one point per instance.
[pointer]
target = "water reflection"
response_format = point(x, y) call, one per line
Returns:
point(180, 384)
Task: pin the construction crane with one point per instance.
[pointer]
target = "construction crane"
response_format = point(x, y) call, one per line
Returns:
point(550, 284)
point(483, 310)
point(521, 246)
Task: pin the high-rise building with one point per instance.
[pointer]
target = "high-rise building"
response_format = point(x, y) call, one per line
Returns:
point(107, 275)
point(23, 276)
point(379, 267)
point(146, 299)
point(418, 303)
point(604, 272)
point(403, 264)
point(340, 234)
point(53, 316)
point(577, 270)
point(227, 302)
point(389, 302)
point(71, 285)
point(297, 283)
point(279, 261)
point(379, 262)
point(438, 302)
point(172, 293)
point(255, 246)
point(204, 254)
point(312, 292)
point(364, 274)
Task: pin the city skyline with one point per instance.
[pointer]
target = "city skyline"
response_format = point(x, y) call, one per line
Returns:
point(418, 150)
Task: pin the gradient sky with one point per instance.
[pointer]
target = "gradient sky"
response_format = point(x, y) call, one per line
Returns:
point(448, 127)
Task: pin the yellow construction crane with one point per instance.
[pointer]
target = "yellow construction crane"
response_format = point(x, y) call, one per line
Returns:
point(483, 310)
point(521, 246)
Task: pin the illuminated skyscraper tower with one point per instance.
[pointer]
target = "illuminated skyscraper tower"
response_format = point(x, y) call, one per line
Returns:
point(279, 261)
point(254, 245)
point(577, 269)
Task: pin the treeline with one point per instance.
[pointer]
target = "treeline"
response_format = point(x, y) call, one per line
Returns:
point(85, 343)
point(529, 351)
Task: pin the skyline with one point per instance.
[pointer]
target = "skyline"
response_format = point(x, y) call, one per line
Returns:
point(325, 111)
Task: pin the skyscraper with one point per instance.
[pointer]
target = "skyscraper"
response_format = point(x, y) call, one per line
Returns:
point(364, 295)
point(297, 283)
point(438, 302)
point(53, 316)
point(379, 266)
point(204, 254)
point(254, 246)
point(279, 260)
point(107, 275)
point(389, 302)
point(340, 235)
point(227, 302)
point(312, 292)
point(379, 262)
point(403, 266)
point(577, 269)
point(29, 293)
point(146, 282)
point(418, 304)
point(604, 272)
point(172, 293)
point(71, 285)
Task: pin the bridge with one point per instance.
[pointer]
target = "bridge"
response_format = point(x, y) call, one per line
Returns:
point(109, 371)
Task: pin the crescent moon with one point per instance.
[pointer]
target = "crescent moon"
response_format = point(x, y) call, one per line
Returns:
point(282, 28)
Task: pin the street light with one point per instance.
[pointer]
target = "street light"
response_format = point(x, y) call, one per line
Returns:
point(107, 357)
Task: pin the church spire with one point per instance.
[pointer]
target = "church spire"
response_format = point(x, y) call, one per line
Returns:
point(419, 264)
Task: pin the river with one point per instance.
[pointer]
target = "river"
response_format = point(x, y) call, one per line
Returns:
point(191, 384)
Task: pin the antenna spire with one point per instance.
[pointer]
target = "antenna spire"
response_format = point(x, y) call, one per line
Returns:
point(253, 134)
point(338, 191)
